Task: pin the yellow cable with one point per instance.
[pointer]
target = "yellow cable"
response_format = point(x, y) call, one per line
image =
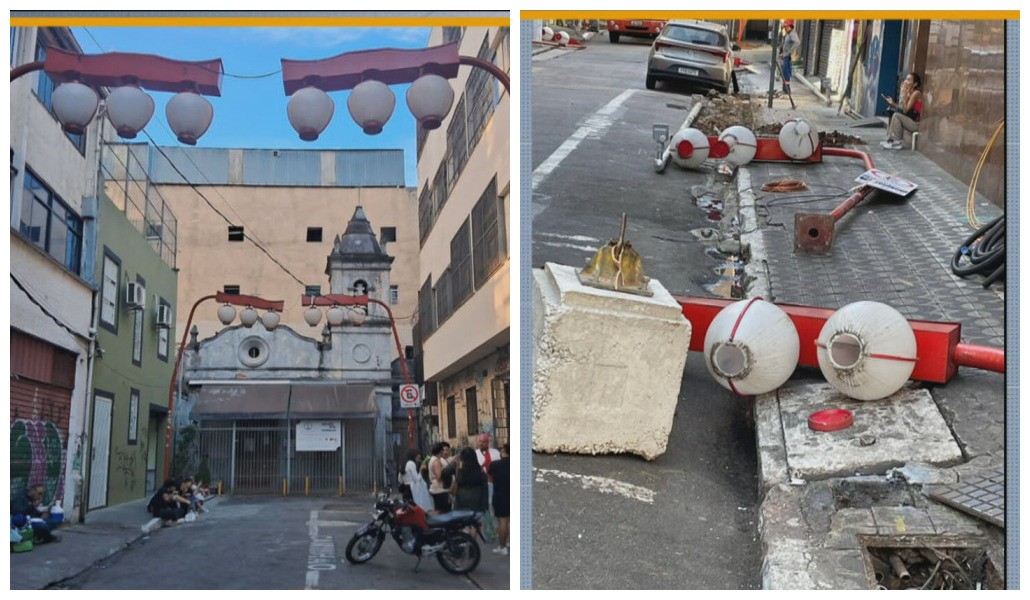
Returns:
point(974, 222)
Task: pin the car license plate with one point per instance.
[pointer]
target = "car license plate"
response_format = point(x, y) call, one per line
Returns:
point(636, 22)
point(689, 71)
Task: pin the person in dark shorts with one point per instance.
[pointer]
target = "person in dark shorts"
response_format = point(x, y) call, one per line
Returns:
point(441, 498)
point(500, 472)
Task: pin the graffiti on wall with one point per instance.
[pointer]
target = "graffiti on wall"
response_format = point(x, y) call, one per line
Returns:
point(867, 85)
point(37, 457)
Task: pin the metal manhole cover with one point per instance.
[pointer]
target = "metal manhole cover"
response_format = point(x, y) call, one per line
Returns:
point(982, 496)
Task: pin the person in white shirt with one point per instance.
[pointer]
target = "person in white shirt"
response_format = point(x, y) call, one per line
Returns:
point(414, 457)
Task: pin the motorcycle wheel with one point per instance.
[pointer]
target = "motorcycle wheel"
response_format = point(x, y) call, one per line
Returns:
point(460, 555)
point(361, 548)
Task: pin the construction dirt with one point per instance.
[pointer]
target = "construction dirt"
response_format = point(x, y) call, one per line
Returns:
point(725, 110)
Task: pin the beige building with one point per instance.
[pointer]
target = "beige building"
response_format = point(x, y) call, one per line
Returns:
point(464, 265)
point(294, 204)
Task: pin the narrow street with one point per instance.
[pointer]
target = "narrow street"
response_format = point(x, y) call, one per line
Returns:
point(688, 519)
point(276, 544)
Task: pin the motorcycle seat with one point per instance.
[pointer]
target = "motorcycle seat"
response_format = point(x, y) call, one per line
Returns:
point(451, 517)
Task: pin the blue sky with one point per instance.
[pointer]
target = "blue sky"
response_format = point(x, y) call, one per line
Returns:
point(251, 112)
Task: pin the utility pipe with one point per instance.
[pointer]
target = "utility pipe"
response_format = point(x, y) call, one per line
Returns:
point(985, 358)
point(813, 232)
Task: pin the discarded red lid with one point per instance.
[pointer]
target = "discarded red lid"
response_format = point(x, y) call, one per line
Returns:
point(831, 419)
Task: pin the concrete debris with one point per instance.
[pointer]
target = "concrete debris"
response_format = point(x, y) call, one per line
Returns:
point(725, 110)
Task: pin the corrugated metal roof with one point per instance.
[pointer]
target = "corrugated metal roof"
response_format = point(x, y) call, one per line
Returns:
point(282, 167)
point(370, 168)
point(200, 165)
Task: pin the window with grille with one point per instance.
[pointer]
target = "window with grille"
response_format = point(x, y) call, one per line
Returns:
point(452, 34)
point(444, 297)
point(451, 418)
point(45, 93)
point(137, 331)
point(394, 295)
point(487, 247)
point(457, 144)
point(162, 334)
point(426, 324)
point(480, 97)
point(109, 291)
point(461, 265)
point(440, 190)
point(425, 213)
point(231, 289)
point(50, 223)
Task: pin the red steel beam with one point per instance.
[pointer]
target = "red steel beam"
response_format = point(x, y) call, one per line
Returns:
point(151, 72)
point(388, 65)
point(939, 352)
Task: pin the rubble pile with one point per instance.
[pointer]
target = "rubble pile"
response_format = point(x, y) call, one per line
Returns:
point(720, 111)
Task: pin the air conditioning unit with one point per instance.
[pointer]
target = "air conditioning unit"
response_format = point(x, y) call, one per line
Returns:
point(164, 316)
point(135, 295)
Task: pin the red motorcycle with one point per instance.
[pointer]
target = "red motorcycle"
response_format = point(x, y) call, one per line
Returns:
point(420, 534)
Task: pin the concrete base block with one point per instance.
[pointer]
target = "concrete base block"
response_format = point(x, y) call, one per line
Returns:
point(607, 366)
point(904, 427)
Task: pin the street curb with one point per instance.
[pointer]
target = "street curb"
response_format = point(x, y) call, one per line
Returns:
point(756, 269)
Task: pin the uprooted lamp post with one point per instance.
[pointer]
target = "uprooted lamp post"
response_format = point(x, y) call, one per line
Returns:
point(336, 316)
point(369, 73)
point(128, 107)
point(226, 314)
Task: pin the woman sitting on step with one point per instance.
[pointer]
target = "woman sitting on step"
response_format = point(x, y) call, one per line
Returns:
point(906, 112)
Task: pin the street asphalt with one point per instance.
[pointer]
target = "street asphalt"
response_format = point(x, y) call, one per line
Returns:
point(694, 518)
point(243, 542)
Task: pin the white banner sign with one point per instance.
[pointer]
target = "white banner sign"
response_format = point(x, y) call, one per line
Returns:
point(887, 182)
point(318, 436)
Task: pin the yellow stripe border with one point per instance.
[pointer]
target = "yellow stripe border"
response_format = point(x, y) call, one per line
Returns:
point(244, 21)
point(773, 14)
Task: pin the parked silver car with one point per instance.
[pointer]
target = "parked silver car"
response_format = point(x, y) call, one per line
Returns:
point(693, 51)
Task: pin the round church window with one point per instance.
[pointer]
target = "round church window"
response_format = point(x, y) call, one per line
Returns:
point(253, 352)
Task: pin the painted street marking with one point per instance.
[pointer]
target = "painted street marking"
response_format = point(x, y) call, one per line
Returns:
point(321, 553)
point(595, 126)
point(590, 249)
point(574, 238)
point(604, 485)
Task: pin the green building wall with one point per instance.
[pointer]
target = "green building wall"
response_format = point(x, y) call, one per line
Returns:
point(116, 375)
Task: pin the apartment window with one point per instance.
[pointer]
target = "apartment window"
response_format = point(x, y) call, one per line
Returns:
point(109, 291)
point(137, 331)
point(235, 233)
point(387, 234)
point(426, 325)
point(133, 416)
point(425, 213)
point(480, 97)
point(421, 135)
point(45, 93)
point(487, 247)
point(440, 190)
point(312, 290)
point(452, 34)
point(451, 418)
point(162, 333)
point(471, 411)
point(457, 144)
point(50, 223)
point(314, 234)
point(394, 295)
point(444, 297)
point(231, 289)
point(461, 265)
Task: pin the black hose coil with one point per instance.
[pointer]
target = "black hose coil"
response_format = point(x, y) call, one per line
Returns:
point(986, 256)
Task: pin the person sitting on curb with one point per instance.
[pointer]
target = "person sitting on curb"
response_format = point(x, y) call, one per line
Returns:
point(29, 504)
point(906, 113)
point(164, 506)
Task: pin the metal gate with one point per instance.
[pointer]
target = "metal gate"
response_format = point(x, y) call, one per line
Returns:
point(259, 456)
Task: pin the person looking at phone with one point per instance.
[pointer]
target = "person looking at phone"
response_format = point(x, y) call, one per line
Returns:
point(906, 112)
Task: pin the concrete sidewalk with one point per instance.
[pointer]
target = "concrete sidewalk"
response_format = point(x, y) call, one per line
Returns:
point(106, 532)
point(818, 512)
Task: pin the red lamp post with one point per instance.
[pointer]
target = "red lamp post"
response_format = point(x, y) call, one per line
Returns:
point(336, 300)
point(270, 321)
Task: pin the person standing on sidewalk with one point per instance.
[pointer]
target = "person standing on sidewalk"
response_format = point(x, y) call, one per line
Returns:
point(500, 474)
point(787, 47)
point(906, 112)
point(486, 456)
point(439, 492)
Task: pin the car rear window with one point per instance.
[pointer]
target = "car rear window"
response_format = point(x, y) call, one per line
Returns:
point(691, 35)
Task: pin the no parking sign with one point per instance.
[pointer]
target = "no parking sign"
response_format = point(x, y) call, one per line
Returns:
point(411, 397)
